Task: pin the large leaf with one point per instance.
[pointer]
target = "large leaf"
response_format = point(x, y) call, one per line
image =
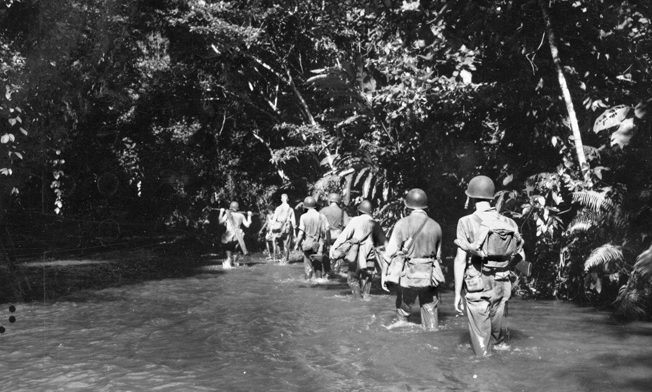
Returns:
point(367, 184)
point(359, 176)
point(611, 118)
point(624, 133)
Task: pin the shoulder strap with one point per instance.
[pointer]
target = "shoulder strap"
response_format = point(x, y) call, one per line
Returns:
point(416, 233)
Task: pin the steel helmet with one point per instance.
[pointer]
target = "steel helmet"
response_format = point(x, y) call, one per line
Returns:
point(334, 198)
point(365, 207)
point(234, 206)
point(416, 198)
point(309, 202)
point(481, 187)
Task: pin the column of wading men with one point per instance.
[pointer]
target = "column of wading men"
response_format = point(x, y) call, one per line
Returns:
point(488, 244)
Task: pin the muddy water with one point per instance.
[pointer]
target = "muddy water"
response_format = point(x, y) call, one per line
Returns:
point(261, 328)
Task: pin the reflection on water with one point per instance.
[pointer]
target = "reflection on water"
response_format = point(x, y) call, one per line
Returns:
point(263, 328)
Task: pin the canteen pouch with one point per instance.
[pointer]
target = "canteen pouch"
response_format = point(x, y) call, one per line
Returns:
point(417, 273)
point(473, 280)
point(437, 276)
point(395, 268)
point(341, 251)
point(310, 245)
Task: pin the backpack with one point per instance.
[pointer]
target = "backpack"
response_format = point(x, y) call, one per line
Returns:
point(497, 240)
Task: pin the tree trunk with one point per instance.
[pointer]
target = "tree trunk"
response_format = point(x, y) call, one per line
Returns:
point(572, 117)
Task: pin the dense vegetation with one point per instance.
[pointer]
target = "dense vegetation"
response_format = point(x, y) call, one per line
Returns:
point(141, 114)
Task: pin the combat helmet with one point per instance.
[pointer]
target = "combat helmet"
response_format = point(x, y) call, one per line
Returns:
point(365, 207)
point(416, 198)
point(234, 206)
point(481, 187)
point(309, 202)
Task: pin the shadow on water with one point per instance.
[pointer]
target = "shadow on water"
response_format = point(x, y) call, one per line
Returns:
point(54, 279)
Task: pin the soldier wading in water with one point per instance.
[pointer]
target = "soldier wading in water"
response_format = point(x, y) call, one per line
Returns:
point(232, 239)
point(360, 236)
point(337, 220)
point(313, 235)
point(414, 250)
point(487, 243)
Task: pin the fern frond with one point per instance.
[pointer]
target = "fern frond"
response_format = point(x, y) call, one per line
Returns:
point(596, 201)
point(608, 257)
point(579, 225)
point(584, 221)
point(643, 265)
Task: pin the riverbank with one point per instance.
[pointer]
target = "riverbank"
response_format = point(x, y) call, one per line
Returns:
point(50, 278)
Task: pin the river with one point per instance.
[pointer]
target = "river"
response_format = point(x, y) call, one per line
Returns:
point(262, 328)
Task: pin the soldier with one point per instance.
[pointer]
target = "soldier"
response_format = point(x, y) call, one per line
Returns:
point(270, 243)
point(313, 234)
point(233, 237)
point(363, 233)
point(337, 219)
point(416, 242)
point(282, 227)
point(487, 241)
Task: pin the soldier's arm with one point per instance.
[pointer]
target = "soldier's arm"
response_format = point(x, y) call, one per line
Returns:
point(395, 241)
point(247, 220)
point(345, 235)
point(222, 217)
point(459, 266)
point(302, 227)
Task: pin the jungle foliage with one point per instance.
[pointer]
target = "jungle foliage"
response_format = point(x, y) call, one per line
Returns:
point(152, 111)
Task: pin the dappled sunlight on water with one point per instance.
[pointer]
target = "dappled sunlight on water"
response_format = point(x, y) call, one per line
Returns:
point(262, 327)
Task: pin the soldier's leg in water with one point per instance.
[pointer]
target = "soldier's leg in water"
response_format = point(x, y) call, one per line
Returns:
point(307, 265)
point(326, 262)
point(502, 293)
point(316, 265)
point(274, 254)
point(405, 300)
point(287, 244)
point(478, 312)
point(429, 301)
point(353, 279)
point(227, 262)
point(365, 282)
point(269, 247)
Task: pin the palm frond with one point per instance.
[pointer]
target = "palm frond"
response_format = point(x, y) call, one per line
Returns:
point(608, 257)
point(596, 201)
point(630, 303)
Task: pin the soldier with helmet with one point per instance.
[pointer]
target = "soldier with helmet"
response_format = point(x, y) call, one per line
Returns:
point(313, 235)
point(233, 220)
point(363, 234)
point(282, 227)
point(337, 220)
point(416, 243)
point(481, 266)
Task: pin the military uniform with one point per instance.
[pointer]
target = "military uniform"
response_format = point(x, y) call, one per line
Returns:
point(284, 215)
point(313, 227)
point(337, 220)
point(485, 308)
point(366, 232)
point(424, 249)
